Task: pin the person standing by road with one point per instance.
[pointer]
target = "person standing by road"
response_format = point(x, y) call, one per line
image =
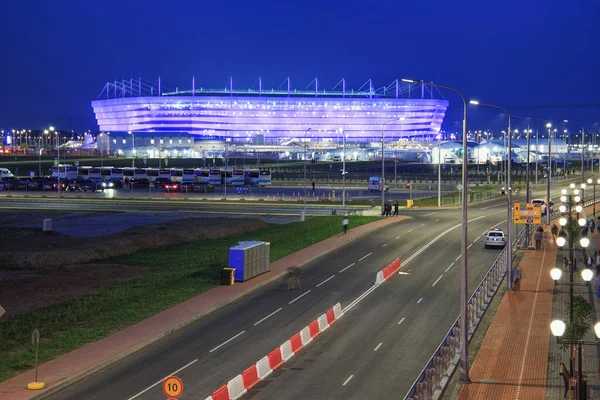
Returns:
point(592, 226)
point(396, 205)
point(313, 186)
point(517, 275)
point(554, 231)
point(345, 225)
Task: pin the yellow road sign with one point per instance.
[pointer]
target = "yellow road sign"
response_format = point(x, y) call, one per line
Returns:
point(527, 213)
point(172, 387)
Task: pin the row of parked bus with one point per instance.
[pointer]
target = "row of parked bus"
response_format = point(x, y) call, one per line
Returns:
point(212, 176)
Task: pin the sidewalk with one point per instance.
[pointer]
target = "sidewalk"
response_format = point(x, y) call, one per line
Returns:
point(513, 358)
point(92, 357)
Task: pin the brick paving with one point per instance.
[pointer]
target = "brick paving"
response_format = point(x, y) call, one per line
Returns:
point(513, 358)
point(94, 356)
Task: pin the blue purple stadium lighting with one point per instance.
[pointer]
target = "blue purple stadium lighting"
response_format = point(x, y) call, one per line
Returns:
point(271, 113)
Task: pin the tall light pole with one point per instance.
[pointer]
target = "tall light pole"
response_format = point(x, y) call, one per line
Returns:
point(439, 174)
point(591, 182)
point(133, 147)
point(464, 330)
point(305, 132)
point(549, 174)
point(508, 188)
point(381, 184)
point(582, 145)
point(343, 169)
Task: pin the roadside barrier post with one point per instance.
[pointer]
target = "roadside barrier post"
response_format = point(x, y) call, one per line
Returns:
point(35, 340)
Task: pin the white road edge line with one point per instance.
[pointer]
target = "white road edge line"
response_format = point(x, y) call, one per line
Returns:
point(270, 315)
point(299, 297)
point(377, 347)
point(451, 265)
point(402, 320)
point(224, 343)
point(340, 271)
point(384, 245)
point(438, 279)
point(347, 380)
point(420, 300)
point(365, 256)
point(431, 213)
point(331, 277)
point(159, 382)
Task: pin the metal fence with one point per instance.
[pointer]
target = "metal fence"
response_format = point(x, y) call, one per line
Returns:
point(433, 379)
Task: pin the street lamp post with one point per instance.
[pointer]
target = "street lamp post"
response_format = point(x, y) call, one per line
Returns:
point(343, 170)
point(464, 330)
point(305, 132)
point(439, 174)
point(549, 174)
point(381, 184)
point(582, 144)
point(133, 147)
point(591, 182)
point(508, 188)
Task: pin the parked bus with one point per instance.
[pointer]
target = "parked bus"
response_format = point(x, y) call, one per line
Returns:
point(164, 173)
point(176, 175)
point(130, 172)
point(95, 174)
point(84, 172)
point(214, 177)
point(233, 177)
point(111, 173)
point(251, 177)
point(264, 178)
point(202, 175)
point(188, 175)
point(64, 171)
point(151, 174)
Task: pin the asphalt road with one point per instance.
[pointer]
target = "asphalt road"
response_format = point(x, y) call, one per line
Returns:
point(206, 354)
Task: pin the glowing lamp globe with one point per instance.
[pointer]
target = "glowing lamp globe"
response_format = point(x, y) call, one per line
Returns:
point(560, 241)
point(582, 222)
point(556, 273)
point(564, 191)
point(558, 327)
point(587, 274)
point(563, 199)
point(572, 186)
point(597, 329)
point(562, 221)
point(579, 209)
point(563, 208)
point(584, 242)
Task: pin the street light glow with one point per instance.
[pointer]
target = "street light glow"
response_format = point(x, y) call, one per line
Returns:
point(563, 199)
point(562, 221)
point(564, 191)
point(560, 241)
point(558, 327)
point(474, 102)
point(582, 222)
point(578, 208)
point(584, 242)
point(556, 274)
point(562, 208)
point(548, 125)
point(572, 186)
point(587, 274)
point(597, 329)
point(410, 80)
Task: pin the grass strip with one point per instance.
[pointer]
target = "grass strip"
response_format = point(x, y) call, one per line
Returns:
point(179, 272)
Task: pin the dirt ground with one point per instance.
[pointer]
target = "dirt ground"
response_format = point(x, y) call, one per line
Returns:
point(38, 269)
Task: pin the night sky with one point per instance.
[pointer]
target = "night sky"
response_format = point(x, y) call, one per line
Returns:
point(540, 58)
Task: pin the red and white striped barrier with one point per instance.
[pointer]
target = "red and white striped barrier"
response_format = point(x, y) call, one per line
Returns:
point(388, 271)
point(244, 382)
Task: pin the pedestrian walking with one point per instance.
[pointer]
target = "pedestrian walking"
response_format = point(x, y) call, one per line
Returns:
point(396, 205)
point(554, 231)
point(546, 240)
point(313, 186)
point(517, 275)
point(345, 225)
point(592, 225)
point(293, 278)
point(597, 285)
point(539, 235)
point(597, 258)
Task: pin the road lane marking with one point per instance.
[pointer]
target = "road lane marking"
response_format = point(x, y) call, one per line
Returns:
point(476, 239)
point(378, 346)
point(384, 245)
point(346, 268)
point(224, 343)
point(451, 265)
point(431, 213)
point(410, 231)
point(270, 315)
point(469, 246)
point(397, 237)
point(420, 300)
point(402, 320)
point(422, 225)
point(161, 381)
point(437, 220)
point(457, 258)
point(365, 256)
point(438, 279)
point(331, 277)
point(347, 380)
point(299, 297)
point(495, 205)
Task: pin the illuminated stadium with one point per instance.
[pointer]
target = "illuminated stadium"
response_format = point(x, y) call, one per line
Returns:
point(401, 110)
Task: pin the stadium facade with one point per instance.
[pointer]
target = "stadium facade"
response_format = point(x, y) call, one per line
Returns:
point(273, 115)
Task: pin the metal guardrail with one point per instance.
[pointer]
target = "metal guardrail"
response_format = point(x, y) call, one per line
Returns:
point(433, 379)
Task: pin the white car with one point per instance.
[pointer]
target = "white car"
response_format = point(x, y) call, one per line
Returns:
point(495, 238)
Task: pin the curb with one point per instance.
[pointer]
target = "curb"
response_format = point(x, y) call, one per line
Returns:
point(50, 391)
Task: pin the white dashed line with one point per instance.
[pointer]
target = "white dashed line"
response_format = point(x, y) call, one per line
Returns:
point(431, 213)
point(365, 256)
point(378, 346)
point(451, 265)
point(437, 220)
point(331, 277)
point(299, 297)
point(469, 246)
point(476, 239)
point(410, 231)
point(457, 258)
point(397, 237)
point(347, 380)
point(384, 245)
point(346, 268)
point(224, 343)
point(422, 225)
point(420, 300)
point(402, 320)
point(173, 373)
point(270, 315)
point(438, 279)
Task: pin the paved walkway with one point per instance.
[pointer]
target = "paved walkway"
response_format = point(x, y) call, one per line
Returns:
point(513, 358)
point(92, 357)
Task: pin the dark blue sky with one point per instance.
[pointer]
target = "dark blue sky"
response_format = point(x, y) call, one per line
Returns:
point(55, 56)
